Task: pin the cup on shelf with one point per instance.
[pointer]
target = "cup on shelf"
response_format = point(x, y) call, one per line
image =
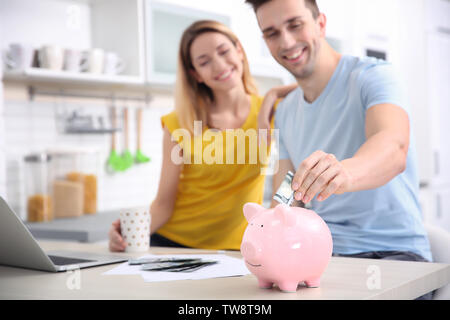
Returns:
point(18, 56)
point(93, 61)
point(113, 64)
point(72, 60)
point(51, 57)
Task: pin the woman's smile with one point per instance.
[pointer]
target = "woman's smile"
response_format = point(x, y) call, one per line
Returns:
point(225, 75)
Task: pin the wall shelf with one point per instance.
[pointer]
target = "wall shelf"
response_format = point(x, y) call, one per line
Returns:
point(39, 75)
point(114, 26)
point(92, 131)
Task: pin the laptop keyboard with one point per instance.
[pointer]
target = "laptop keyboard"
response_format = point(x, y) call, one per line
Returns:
point(62, 261)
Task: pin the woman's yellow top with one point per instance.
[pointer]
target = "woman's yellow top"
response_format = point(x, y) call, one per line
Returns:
point(219, 175)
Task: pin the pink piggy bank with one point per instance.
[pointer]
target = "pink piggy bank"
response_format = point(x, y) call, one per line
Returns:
point(285, 246)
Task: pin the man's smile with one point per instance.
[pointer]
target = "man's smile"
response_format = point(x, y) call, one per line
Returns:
point(295, 56)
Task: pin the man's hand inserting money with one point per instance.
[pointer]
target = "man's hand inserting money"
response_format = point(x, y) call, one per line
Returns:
point(320, 174)
point(285, 194)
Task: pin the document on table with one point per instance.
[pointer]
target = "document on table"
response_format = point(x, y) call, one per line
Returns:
point(225, 267)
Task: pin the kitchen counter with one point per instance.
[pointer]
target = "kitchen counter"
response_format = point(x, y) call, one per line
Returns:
point(344, 278)
point(87, 228)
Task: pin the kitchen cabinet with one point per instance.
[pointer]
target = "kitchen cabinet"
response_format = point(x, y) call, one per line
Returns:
point(442, 197)
point(435, 204)
point(438, 15)
point(341, 33)
point(2, 141)
point(434, 112)
point(443, 208)
point(415, 37)
point(112, 25)
point(438, 81)
point(262, 64)
point(376, 27)
point(420, 56)
point(165, 23)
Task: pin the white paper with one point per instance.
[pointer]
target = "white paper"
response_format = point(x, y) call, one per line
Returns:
point(226, 267)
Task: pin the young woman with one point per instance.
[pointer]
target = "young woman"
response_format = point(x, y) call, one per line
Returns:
point(200, 198)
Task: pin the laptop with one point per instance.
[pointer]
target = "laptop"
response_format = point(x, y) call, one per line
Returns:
point(18, 248)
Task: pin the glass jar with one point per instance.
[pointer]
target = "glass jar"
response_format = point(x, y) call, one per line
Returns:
point(75, 169)
point(89, 168)
point(38, 176)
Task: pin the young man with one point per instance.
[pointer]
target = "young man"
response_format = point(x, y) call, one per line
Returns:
point(345, 132)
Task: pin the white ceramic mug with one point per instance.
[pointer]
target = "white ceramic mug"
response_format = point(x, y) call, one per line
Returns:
point(19, 56)
point(93, 61)
point(113, 64)
point(51, 57)
point(72, 60)
point(135, 228)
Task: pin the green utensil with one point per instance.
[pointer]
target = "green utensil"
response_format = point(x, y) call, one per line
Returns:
point(114, 162)
point(127, 157)
point(140, 157)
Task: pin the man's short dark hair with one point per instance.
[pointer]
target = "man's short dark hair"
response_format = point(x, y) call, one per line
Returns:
point(311, 4)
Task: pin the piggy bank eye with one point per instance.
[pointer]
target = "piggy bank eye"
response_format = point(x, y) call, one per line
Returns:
point(262, 225)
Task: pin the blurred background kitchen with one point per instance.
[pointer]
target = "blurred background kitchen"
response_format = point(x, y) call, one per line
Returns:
point(85, 82)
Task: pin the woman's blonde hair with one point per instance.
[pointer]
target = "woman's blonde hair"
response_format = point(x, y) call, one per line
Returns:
point(192, 97)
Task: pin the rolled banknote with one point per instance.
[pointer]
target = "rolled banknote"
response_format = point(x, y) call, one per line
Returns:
point(285, 194)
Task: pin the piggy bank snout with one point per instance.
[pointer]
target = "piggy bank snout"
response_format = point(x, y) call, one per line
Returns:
point(250, 251)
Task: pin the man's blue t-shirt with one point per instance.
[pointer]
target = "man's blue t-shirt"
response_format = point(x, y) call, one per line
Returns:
point(387, 218)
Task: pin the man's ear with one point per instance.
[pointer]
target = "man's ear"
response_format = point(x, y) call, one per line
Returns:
point(195, 74)
point(322, 23)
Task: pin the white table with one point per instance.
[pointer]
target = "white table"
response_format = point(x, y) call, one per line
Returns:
point(344, 278)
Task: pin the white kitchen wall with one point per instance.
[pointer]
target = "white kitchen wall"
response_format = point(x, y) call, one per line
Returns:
point(31, 126)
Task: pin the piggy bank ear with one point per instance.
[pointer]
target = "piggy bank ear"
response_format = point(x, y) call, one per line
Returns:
point(286, 215)
point(251, 210)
